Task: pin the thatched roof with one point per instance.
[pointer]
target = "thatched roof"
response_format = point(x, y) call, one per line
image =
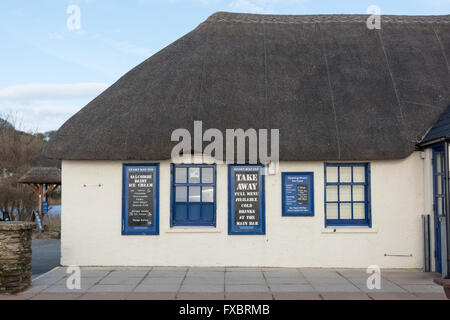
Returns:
point(440, 130)
point(47, 175)
point(334, 88)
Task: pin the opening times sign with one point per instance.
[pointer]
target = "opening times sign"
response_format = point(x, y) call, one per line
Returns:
point(140, 199)
point(297, 193)
point(246, 199)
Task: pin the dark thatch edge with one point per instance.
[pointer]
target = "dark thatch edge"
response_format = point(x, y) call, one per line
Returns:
point(45, 175)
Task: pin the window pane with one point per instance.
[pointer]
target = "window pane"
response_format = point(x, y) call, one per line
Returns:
point(180, 175)
point(438, 162)
point(346, 174)
point(207, 175)
point(439, 206)
point(332, 193)
point(332, 210)
point(194, 194)
point(181, 194)
point(358, 193)
point(345, 193)
point(439, 184)
point(359, 174)
point(359, 211)
point(346, 211)
point(207, 194)
point(332, 174)
point(194, 175)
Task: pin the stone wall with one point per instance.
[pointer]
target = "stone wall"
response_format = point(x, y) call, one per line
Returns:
point(15, 256)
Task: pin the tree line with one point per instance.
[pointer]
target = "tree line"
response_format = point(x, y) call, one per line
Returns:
point(19, 151)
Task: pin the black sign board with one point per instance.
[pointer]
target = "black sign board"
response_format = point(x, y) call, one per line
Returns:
point(297, 193)
point(140, 199)
point(246, 194)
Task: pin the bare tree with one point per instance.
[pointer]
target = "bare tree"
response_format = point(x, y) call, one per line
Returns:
point(18, 150)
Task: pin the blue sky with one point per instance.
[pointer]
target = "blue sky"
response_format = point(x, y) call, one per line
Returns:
point(49, 72)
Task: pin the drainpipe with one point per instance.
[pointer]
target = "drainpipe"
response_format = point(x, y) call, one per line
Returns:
point(446, 273)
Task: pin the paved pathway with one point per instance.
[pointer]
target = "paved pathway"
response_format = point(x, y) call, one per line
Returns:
point(232, 283)
point(46, 256)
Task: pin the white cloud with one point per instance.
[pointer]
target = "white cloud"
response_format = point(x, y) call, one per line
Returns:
point(30, 93)
point(46, 106)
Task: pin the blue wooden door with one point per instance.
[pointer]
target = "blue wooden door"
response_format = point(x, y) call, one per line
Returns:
point(438, 201)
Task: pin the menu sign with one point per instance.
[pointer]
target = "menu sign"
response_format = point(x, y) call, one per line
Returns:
point(298, 193)
point(246, 193)
point(140, 199)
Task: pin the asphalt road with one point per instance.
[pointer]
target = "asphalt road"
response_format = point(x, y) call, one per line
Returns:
point(46, 256)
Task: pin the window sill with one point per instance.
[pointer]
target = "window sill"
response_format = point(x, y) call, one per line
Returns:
point(193, 230)
point(355, 229)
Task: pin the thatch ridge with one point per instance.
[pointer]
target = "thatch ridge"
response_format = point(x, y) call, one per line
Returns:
point(334, 88)
point(45, 175)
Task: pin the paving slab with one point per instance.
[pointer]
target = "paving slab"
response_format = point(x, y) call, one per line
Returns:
point(130, 273)
point(57, 296)
point(111, 288)
point(151, 296)
point(431, 296)
point(248, 296)
point(286, 280)
point(202, 288)
point(200, 296)
point(104, 296)
point(246, 288)
point(296, 296)
point(291, 288)
point(161, 281)
point(344, 296)
point(243, 269)
point(157, 288)
point(109, 280)
point(278, 283)
point(392, 296)
point(36, 289)
point(21, 296)
point(203, 282)
point(385, 287)
point(64, 289)
point(422, 288)
point(166, 274)
point(327, 287)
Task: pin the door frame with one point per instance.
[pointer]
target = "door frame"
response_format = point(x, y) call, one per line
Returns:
point(438, 150)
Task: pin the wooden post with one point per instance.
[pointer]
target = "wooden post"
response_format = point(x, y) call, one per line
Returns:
point(41, 195)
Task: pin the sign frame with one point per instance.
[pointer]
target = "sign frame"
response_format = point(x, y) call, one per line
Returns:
point(284, 210)
point(246, 230)
point(140, 230)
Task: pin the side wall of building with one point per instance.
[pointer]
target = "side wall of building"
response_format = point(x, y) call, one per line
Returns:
point(91, 223)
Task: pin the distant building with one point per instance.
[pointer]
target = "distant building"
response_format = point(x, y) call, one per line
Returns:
point(352, 106)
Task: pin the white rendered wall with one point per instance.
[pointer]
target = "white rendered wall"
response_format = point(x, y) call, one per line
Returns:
point(91, 223)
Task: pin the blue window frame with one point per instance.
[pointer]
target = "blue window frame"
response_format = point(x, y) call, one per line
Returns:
point(193, 195)
point(347, 194)
point(140, 199)
point(250, 200)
